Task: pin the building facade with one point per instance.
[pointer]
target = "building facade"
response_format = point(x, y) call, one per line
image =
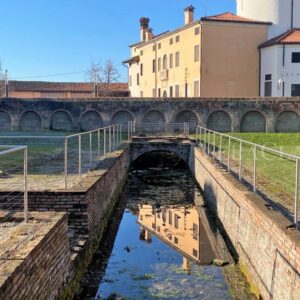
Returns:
point(215, 56)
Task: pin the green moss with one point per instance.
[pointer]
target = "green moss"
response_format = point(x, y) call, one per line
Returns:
point(253, 288)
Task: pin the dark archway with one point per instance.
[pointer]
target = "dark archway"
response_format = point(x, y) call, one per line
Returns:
point(187, 116)
point(5, 121)
point(91, 120)
point(122, 117)
point(219, 121)
point(30, 121)
point(253, 121)
point(61, 120)
point(288, 121)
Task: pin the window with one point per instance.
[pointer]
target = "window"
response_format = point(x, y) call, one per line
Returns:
point(195, 232)
point(130, 80)
point(165, 95)
point(176, 221)
point(295, 90)
point(197, 30)
point(171, 60)
point(158, 228)
point(171, 91)
point(175, 240)
point(177, 39)
point(159, 64)
point(268, 85)
point(196, 53)
point(153, 226)
point(170, 217)
point(159, 93)
point(296, 57)
point(138, 79)
point(171, 41)
point(153, 93)
point(195, 253)
point(176, 90)
point(159, 45)
point(177, 59)
point(196, 88)
point(153, 65)
point(165, 62)
point(142, 94)
point(170, 237)
point(186, 87)
point(141, 69)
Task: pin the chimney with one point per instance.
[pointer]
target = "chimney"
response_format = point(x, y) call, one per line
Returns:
point(149, 34)
point(189, 14)
point(144, 28)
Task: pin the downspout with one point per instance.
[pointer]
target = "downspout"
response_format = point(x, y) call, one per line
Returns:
point(259, 75)
point(283, 70)
point(292, 15)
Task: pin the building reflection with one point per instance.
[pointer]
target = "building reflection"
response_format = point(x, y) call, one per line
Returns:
point(180, 228)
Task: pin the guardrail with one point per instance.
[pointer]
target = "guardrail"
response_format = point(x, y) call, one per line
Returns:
point(13, 182)
point(58, 162)
point(269, 172)
point(159, 129)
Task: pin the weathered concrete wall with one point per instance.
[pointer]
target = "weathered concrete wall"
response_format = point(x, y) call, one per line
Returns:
point(40, 265)
point(220, 114)
point(269, 252)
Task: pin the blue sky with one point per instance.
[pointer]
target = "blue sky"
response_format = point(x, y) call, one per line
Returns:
point(45, 37)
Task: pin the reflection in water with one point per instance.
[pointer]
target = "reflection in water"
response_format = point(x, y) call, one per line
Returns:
point(156, 246)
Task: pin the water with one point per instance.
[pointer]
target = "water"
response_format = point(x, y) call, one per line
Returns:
point(158, 245)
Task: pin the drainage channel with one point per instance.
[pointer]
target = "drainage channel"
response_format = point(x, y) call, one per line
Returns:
point(161, 242)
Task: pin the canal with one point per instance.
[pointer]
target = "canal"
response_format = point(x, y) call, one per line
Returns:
point(161, 242)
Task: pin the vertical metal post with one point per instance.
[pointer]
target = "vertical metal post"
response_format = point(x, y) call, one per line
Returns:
point(104, 142)
point(296, 195)
point(241, 161)
point(128, 131)
point(66, 164)
point(220, 150)
point(254, 168)
point(109, 139)
point(79, 155)
point(26, 185)
point(228, 157)
point(91, 148)
point(214, 154)
point(98, 133)
point(120, 135)
point(113, 137)
point(208, 143)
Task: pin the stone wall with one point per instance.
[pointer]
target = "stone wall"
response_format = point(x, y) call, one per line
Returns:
point(40, 265)
point(268, 114)
point(268, 252)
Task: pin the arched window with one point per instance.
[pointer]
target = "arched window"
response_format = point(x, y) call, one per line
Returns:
point(165, 62)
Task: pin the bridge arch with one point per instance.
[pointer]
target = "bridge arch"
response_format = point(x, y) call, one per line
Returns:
point(61, 120)
point(187, 116)
point(219, 120)
point(5, 121)
point(30, 120)
point(154, 117)
point(122, 117)
point(253, 121)
point(90, 119)
point(288, 121)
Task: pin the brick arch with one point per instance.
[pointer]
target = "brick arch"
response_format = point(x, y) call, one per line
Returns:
point(288, 121)
point(5, 121)
point(90, 119)
point(253, 121)
point(187, 116)
point(30, 120)
point(219, 120)
point(122, 117)
point(153, 121)
point(61, 120)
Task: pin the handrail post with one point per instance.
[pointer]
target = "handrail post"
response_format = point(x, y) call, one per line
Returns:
point(240, 165)
point(228, 157)
point(79, 155)
point(208, 143)
point(26, 185)
point(296, 195)
point(91, 149)
point(120, 134)
point(254, 168)
point(98, 133)
point(128, 131)
point(220, 149)
point(214, 154)
point(109, 139)
point(66, 163)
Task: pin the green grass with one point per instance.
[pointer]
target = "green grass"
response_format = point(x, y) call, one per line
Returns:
point(275, 173)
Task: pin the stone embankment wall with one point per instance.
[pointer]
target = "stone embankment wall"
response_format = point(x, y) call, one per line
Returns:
point(38, 267)
point(268, 252)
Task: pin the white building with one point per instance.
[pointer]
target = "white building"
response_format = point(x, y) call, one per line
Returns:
point(280, 55)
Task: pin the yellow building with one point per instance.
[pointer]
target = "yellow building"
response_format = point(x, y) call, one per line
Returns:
point(215, 56)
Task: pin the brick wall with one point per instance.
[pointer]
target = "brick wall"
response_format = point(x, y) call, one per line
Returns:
point(43, 272)
point(269, 252)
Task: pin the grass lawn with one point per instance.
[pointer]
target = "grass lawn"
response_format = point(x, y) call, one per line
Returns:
point(275, 173)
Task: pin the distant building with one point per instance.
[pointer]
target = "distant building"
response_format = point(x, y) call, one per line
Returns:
point(41, 89)
point(216, 56)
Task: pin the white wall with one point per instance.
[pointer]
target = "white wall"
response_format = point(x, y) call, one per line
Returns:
point(276, 11)
point(271, 63)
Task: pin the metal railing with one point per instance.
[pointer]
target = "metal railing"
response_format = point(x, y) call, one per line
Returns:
point(271, 173)
point(13, 181)
point(58, 162)
point(159, 129)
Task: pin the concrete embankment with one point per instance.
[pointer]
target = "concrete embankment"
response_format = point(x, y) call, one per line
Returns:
point(269, 252)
